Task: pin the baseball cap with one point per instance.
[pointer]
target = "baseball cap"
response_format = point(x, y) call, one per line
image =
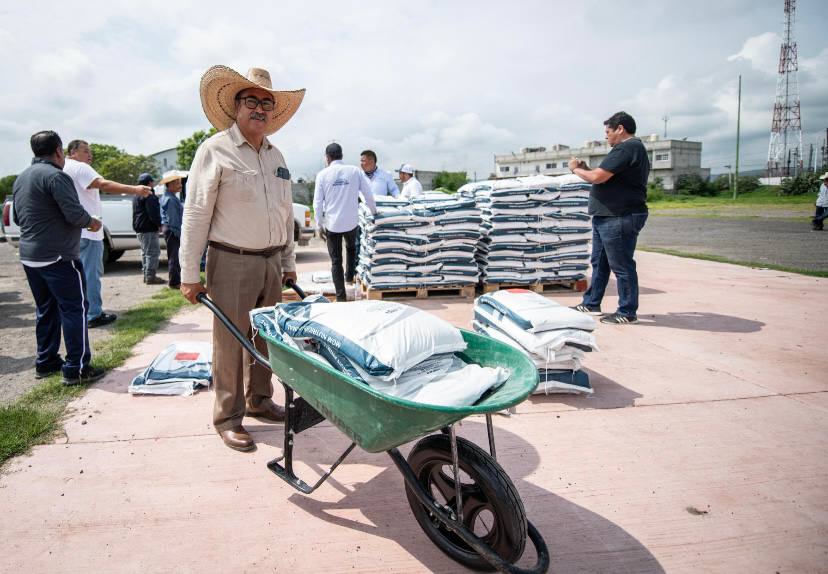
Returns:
point(406, 168)
point(145, 179)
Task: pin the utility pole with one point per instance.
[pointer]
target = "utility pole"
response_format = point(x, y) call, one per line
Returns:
point(664, 119)
point(738, 134)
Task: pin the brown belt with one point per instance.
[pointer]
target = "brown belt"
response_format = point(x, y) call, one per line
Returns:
point(269, 252)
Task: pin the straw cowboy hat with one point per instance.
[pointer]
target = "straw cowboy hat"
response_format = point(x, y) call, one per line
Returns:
point(824, 175)
point(172, 175)
point(220, 84)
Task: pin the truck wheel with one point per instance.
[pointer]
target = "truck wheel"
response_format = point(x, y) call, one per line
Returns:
point(106, 252)
point(114, 255)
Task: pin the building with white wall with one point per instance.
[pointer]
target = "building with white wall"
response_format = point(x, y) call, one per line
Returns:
point(668, 158)
point(167, 159)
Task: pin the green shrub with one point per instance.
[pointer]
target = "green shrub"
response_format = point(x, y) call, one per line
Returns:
point(748, 183)
point(655, 190)
point(805, 182)
point(693, 184)
point(721, 183)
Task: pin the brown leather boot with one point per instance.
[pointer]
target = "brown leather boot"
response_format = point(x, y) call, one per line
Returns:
point(267, 410)
point(238, 438)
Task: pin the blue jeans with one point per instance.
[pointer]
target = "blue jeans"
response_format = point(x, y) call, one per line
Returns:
point(91, 256)
point(60, 304)
point(613, 246)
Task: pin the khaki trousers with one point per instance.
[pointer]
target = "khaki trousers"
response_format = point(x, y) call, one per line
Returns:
point(237, 284)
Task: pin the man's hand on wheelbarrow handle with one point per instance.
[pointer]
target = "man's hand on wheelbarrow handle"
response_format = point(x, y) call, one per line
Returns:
point(191, 291)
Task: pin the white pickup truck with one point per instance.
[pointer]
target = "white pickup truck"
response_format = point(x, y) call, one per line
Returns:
point(116, 212)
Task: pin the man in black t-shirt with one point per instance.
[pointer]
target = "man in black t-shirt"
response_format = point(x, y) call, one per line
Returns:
point(618, 205)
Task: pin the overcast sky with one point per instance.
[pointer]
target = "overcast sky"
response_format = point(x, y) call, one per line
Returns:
point(441, 85)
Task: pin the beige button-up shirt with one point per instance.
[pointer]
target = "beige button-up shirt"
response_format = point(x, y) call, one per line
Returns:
point(235, 197)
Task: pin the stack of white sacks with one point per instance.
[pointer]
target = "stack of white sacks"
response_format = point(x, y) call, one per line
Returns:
point(534, 229)
point(429, 241)
point(396, 349)
point(555, 337)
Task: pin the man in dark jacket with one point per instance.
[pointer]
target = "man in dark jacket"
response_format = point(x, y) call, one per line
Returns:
point(50, 217)
point(146, 221)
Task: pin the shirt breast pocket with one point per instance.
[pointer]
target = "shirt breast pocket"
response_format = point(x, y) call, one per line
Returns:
point(242, 185)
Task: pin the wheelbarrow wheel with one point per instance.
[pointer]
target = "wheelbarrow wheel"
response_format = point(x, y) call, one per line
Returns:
point(492, 508)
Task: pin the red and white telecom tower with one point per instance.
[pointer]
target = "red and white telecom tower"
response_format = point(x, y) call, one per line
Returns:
point(785, 149)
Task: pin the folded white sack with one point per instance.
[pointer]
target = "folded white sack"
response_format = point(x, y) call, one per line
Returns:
point(535, 313)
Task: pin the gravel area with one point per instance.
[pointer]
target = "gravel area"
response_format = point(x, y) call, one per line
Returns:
point(766, 240)
point(122, 288)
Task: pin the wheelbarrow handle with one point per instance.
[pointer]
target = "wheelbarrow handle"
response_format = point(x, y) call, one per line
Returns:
point(244, 341)
point(299, 291)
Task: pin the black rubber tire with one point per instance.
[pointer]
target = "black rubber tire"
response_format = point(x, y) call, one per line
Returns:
point(115, 255)
point(105, 255)
point(491, 491)
point(295, 231)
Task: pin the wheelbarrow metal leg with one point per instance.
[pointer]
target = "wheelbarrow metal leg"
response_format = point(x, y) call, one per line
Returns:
point(490, 431)
point(298, 417)
point(458, 495)
point(542, 562)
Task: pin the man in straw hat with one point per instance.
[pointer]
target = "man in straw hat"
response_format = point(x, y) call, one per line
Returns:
point(172, 213)
point(239, 204)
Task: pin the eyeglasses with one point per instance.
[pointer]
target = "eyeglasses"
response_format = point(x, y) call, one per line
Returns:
point(252, 102)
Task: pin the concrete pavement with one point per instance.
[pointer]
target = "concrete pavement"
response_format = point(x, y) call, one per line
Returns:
point(703, 450)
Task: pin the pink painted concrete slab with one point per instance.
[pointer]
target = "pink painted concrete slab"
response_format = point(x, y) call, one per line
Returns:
point(703, 450)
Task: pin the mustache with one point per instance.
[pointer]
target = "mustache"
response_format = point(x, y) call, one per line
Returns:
point(258, 116)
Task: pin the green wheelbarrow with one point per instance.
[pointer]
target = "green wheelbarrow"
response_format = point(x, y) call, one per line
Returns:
point(461, 497)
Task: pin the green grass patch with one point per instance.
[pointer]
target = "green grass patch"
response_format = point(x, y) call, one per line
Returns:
point(35, 417)
point(763, 196)
point(720, 259)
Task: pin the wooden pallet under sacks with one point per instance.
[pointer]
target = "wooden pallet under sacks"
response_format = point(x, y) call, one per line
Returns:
point(545, 287)
point(373, 294)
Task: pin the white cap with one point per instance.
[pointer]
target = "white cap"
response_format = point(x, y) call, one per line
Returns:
point(406, 168)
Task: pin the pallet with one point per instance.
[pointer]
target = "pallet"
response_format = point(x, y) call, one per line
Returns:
point(464, 291)
point(579, 285)
point(291, 295)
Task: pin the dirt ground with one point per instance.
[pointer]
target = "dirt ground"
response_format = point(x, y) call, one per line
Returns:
point(122, 288)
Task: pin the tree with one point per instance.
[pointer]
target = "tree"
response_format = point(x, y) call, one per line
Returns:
point(6, 184)
point(450, 180)
point(102, 153)
point(187, 147)
point(126, 168)
point(693, 184)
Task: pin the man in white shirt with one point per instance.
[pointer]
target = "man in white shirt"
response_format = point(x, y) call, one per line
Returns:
point(336, 210)
point(89, 184)
point(411, 186)
point(821, 204)
point(382, 182)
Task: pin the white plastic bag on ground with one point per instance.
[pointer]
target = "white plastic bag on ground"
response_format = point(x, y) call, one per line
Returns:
point(534, 313)
point(179, 369)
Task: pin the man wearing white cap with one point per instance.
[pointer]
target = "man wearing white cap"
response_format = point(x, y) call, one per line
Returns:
point(411, 186)
point(239, 203)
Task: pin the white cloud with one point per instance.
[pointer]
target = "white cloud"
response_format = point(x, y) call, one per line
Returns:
point(444, 86)
point(762, 52)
